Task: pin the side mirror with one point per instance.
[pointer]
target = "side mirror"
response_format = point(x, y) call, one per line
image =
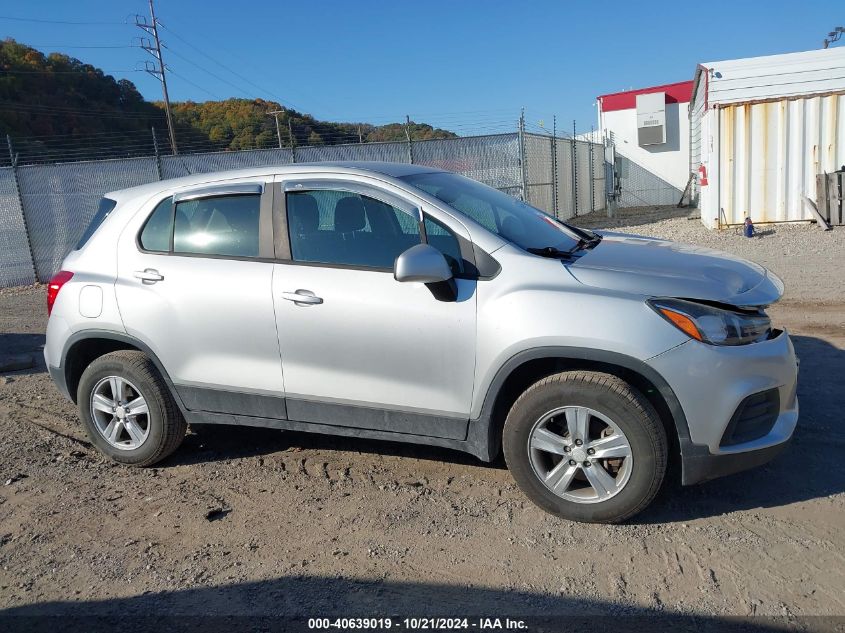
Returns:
point(426, 264)
point(422, 263)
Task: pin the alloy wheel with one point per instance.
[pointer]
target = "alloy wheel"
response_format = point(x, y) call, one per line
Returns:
point(579, 454)
point(120, 413)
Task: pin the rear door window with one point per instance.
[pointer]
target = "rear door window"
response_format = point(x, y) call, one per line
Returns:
point(224, 225)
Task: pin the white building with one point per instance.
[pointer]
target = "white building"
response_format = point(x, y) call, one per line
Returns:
point(762, 128)
point(650, 127)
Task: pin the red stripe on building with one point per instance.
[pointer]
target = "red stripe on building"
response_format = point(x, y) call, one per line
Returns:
point(680, 92)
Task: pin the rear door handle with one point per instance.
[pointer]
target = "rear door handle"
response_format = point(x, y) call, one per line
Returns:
point(148, 275)
point(302, 297)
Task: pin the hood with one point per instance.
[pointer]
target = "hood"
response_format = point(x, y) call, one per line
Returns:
point(667, 269)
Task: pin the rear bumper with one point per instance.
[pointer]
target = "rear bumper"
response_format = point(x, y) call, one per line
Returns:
point(57, 375)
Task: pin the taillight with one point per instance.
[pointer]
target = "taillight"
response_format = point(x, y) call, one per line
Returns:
point(56, 283)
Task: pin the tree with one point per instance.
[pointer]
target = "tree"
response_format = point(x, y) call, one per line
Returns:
point(76, 112)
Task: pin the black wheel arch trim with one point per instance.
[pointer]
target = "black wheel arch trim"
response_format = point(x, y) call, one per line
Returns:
point(483, 436)
point(78, 337)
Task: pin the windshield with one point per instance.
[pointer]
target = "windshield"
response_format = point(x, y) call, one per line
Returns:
point(507, 217)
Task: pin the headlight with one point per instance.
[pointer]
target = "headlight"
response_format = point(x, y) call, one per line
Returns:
point(716, 326)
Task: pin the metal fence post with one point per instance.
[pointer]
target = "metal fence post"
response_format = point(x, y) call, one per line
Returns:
point(522, 157)
point(592, 176)
point(610, 180)
point(574, 149)
point(158, 156)
point(408, 138)
point(292, 142)
point(554, 165)
point(14, 160)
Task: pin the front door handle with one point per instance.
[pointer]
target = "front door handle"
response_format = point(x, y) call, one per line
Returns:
point(148, 275)
point(302, 297)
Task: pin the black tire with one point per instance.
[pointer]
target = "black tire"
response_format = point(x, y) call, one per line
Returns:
point(167, 427)
point(610, 396)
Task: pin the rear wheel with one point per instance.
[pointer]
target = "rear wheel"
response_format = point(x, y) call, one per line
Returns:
point(586, 446)
point(128, 410)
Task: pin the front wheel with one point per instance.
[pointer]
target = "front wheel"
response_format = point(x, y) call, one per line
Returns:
point(586, 446)
point(128, 410)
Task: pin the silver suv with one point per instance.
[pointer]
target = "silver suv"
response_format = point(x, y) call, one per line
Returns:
point(411, 304)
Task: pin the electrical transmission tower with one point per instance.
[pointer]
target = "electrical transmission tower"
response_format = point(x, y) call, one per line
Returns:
point(157, 67)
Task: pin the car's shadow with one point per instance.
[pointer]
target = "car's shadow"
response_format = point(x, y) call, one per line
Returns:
point(287, 603)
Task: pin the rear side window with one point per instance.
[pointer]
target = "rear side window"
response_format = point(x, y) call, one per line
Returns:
point(226, 225)
point(156, 234)
point(106, 206)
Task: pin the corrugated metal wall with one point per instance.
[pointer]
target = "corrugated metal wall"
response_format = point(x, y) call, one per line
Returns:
point(696, 112)
point(770, 153)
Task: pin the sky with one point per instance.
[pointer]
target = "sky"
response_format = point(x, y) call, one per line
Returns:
point(466, 65)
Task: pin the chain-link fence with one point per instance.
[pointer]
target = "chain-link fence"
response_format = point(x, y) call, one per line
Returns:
point(564, 177)
point(45, 208)
point(15, 255)
point(640, 187)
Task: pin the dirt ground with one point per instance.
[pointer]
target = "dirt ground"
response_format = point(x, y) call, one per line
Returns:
point(251, 521)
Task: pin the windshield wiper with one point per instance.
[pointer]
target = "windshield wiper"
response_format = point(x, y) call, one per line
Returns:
point(590, 238)
point(551, 251)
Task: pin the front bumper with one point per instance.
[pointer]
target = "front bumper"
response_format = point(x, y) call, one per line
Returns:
point(710, 382)
point(700, 465)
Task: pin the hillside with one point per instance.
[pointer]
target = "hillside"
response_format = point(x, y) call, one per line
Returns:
point(57, 107)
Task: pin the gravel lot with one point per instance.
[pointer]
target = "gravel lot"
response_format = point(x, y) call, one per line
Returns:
point(810, 261)
point(252, 521)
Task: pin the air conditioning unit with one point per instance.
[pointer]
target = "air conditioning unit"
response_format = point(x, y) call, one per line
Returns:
point(651, 118)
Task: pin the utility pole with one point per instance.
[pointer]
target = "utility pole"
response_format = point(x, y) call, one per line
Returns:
point(157, 72)
point(292, 141)
point(276, 114)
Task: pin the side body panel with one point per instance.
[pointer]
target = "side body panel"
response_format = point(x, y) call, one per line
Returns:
point(377, 343)
point(535, 303)
point(376, 353)
point(210, 321)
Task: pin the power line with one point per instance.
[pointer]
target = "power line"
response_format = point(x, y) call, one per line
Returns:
point(186, 80)
point(223, 66)
point(70, 109)
point(74, 46)
point(205, 70)
point(17, 19)
point(47, 111)
point(68, 72)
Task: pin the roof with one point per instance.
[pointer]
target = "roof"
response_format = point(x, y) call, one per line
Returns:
point(817, 72)
point(393, 170)
point(678, 92)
